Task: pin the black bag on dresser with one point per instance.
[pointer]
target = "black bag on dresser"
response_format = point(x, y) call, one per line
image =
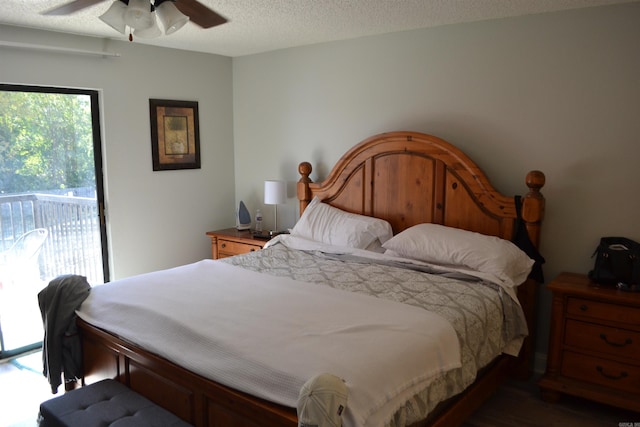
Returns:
point(617, 263)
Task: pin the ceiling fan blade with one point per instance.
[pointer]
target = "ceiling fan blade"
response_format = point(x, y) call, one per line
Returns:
point(71, 7)
point(199, 14)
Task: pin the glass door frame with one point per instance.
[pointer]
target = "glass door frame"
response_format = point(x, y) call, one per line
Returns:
point(99, 178)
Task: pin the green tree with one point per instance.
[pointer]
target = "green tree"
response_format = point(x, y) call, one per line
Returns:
point(45, 141)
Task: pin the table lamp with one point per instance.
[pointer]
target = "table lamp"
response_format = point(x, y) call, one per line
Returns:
point(275, 193)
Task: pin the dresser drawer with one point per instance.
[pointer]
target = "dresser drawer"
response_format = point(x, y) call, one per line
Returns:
point(603, 311)
point(231, 241)
point(228, 248)
point(607, 373)
point(612, 341)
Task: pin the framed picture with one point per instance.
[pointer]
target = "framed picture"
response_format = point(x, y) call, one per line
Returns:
point(175, 138)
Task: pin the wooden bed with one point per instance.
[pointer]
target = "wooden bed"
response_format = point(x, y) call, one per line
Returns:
point(406, 178)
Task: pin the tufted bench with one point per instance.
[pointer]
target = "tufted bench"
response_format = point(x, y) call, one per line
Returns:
point(105, 403)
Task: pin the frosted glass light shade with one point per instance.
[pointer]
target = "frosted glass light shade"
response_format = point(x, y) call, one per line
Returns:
point(114, 16)
point(138, 14)
point(170, 17)
point(275, 192)
point(150, 33)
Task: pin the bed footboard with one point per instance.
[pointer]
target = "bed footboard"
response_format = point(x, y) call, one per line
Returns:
point(195, 399)
point(202, 402)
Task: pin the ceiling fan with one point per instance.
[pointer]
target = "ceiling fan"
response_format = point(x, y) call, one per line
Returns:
point(190, 10)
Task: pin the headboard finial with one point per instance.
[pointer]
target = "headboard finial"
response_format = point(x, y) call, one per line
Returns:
point(304, 169)
point(535, 181)
point(533, 205)
point(304, 192)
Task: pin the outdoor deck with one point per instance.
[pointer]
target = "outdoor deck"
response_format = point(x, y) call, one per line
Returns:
point(73, 244)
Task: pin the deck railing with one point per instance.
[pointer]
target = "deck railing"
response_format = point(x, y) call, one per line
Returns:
point(73, 245)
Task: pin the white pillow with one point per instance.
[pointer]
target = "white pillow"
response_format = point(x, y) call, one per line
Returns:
point(324, 223)
point(439, 244)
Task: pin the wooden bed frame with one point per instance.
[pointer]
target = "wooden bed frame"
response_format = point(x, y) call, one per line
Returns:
point(404, 177)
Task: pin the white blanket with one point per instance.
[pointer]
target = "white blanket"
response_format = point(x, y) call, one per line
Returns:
point(267, 335)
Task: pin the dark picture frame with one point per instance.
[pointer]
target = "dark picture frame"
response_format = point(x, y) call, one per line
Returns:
point(175, 135)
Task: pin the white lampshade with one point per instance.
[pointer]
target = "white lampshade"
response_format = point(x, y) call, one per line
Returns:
point(170, 17)
point(150, 33)
point(275, 192)
point(114, 16)
point(138, 14)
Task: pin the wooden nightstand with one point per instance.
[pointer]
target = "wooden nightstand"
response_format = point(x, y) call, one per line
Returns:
point(230, 242)
point(594, 343)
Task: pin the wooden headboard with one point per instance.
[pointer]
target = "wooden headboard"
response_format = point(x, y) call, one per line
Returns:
point(409, 178)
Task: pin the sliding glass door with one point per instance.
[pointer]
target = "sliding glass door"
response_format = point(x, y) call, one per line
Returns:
point(51, 202)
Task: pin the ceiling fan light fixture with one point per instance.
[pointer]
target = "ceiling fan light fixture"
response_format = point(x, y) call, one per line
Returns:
point(129, 16)
point(138, 15)
point(170, 17)
point(114, 16)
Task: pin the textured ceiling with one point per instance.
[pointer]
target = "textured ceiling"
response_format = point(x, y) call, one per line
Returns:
point(263, 25)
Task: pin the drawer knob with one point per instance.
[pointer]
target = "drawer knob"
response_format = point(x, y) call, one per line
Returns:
point(604, 338)
point(623, 374)
point(252, 250)
point(224, 245)
point(584, 307)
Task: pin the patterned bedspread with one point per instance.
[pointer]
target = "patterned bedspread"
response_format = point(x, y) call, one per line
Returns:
point(484, 317)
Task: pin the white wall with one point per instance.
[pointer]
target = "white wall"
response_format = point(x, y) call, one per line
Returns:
point(557, 92)
point(155, 219)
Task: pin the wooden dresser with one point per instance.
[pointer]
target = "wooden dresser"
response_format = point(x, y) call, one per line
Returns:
point(594, 343)
point(230, 242)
